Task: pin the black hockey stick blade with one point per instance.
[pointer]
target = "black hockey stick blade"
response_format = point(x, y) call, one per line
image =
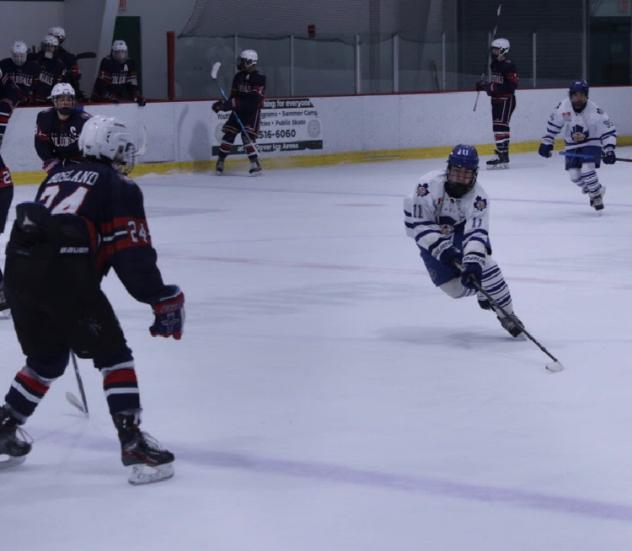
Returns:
point(215, 69)
point(86, 55)
point(73, 400)
point(623, 160)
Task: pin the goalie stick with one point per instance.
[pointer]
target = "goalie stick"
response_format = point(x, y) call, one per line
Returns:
point(494, 31)
point(214, 73)
point(86, 55)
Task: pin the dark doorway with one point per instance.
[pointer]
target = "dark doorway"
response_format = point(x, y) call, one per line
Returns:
point(128, 28)
point(609, 51)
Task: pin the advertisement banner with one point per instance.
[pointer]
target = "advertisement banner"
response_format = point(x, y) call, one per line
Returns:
point(286, 125)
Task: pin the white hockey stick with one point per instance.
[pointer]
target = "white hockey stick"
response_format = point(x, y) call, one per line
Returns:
point(494, 31)
point(214, 73)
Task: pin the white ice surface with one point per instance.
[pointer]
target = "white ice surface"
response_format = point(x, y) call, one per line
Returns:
point(326, 397)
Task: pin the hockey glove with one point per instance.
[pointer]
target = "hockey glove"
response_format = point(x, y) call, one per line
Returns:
point(169, 312)
point(609, 157)
point(545, 150)
point(450, 256)
point(222, 106)
point(483, 86)
point(471, 275)
point(140, 100)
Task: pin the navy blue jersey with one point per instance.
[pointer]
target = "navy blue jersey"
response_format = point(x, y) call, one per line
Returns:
point(116, 81)
point(51, 71)
point(73, 73)
point(112, 206)
point(24, 76)
point(504, 78)
point(247, 91)
point(56, 138)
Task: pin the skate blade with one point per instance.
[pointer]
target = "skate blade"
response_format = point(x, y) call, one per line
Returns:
point(255, 174)
point(499, 166)
point(11, 461)
point(147, 474)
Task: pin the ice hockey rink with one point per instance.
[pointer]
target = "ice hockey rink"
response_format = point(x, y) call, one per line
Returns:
point(325, 396)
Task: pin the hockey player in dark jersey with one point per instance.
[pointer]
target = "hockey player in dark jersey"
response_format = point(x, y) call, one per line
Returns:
point(6, 196)
point(52, 69)
point(245, 101)
point(117, 79)
point(86, 219)
point(21, 71)
point(73, 73)
point(58, 129)
point(501, 88)
point(10, 96)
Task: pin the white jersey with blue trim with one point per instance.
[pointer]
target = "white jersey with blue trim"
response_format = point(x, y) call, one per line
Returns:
point(432, 218)
point(591, 127)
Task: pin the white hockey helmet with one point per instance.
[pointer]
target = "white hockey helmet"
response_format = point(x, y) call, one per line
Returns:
point(19, 52)
point(58, 32)
point(502, 44)
point(247, 59)
point(108, 138)
point(49, 45)
point(119, 50)
point(63, 98)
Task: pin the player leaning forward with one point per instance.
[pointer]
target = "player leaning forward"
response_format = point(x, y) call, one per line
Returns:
point(448, 217)
point(589, 136)
point(86, 218)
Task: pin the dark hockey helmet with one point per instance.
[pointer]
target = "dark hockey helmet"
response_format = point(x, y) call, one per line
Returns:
point(247, 60)
point(578, 94)
point(462, 170)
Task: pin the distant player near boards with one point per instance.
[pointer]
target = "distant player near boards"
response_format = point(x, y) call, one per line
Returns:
point(244, 103)
point(502, 91)
point(589, 137)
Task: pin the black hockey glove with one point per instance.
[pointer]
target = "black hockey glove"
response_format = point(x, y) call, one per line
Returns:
point(450, 256)
point(609, 157)
point(222, 106)
point(140, 100)
point(483, 86)
point(169, 312)
point(545, 150)
point(471, 275)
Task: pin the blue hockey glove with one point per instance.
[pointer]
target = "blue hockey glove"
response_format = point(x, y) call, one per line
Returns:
point(545, 150)
point(450, 256)
point(609, 157)
point(169, 312)
point(471, 275)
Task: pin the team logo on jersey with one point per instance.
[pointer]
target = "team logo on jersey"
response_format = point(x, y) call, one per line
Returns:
point(579, 133)
point(480, 203)
point(422, 190)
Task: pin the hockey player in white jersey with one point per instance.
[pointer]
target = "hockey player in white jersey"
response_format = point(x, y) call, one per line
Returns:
point(448, 217)
point(589, 137)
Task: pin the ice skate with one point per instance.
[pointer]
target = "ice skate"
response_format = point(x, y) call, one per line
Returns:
point(511, 324)
point(148, 461)
point(502, 161)
point(219, 167)
point(596, 199)
point(255, 167)
point(14, 442)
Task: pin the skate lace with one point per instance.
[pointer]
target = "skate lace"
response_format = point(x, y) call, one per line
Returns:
point(23, 435)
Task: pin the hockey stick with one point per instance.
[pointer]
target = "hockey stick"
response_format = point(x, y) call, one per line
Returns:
point(83, 405)
point(214, 72)
point(494, 31)
point(623, 160)
point(554, 366)
point(86, 55)
point(581, 156)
